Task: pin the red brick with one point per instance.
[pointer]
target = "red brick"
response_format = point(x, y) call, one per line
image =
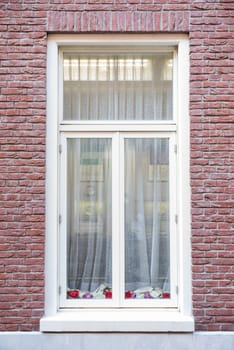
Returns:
point(22, 141)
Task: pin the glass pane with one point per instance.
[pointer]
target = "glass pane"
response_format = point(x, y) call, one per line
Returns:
point(135, 87)
point(89, 219)
point(147, 255)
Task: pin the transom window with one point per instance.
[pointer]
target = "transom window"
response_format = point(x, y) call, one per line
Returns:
point(120, 87)
point(118, 179)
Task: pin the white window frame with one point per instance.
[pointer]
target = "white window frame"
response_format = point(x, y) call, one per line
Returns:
point(118, 224)
point(170, 318)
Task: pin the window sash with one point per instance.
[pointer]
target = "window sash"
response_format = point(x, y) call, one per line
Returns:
point(118, 130)
point(118, 272)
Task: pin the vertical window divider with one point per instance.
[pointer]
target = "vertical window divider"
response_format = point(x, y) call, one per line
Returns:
point(175, 87)
point(173, 215)
point(116, 249)
point(121, 220)
point(62, 225)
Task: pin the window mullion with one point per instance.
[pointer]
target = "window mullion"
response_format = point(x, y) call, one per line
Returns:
point(173, 220)
point(62, 223)
point(121, 220)
point(116, 223)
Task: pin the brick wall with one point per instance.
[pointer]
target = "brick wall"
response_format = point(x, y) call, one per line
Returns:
point(212, 167)
point(24, 26)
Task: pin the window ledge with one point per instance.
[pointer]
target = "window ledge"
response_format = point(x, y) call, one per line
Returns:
point(117, 321)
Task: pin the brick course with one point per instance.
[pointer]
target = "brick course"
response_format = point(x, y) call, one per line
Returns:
point(23, 43)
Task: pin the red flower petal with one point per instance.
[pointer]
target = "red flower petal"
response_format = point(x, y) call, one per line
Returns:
point(73, 293)
point(108, 294)
point(128, 294)
point(166, 295)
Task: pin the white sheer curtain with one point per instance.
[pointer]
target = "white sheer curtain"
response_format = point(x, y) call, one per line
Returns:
point(147, 258)
point(135, 87)
point(118, 88)
point(89, 214)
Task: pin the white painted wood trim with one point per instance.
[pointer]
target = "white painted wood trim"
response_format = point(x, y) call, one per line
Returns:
point(117, 320)
point(51, 267)
point(183, 180)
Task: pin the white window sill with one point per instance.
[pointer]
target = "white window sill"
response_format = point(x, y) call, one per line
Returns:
point(117, 321)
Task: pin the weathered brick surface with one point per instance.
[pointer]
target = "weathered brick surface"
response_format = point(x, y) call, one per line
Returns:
point(24, 26)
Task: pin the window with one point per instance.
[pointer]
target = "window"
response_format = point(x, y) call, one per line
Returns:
point(120, 170)
point(132, 206)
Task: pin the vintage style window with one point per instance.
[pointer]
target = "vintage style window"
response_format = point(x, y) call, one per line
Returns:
point(119, 179)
